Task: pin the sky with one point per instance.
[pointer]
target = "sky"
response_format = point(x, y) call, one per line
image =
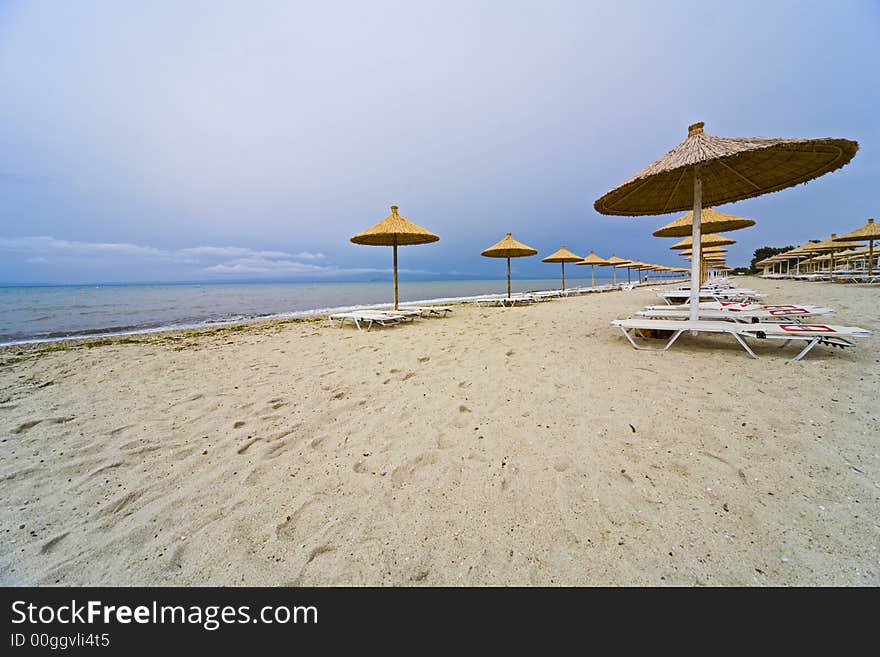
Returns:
point(178, 141)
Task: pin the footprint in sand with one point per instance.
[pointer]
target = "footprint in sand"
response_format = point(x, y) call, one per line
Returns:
point(32, 423)
point(409, 471)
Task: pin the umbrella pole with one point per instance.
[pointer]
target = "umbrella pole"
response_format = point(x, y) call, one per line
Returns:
point(696, 260)
point(508, 277)
point(395, 277)
point(593, 276)
point(614, 275)
point(563, 277)
point(870, 257)
point(628, 279)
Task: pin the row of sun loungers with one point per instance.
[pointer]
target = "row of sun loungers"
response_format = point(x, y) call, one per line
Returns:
point(840, 276)
point(368, 317)
point(739, 319)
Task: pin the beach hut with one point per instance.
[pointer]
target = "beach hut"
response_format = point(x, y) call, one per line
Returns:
point(705, 170)
point(394, 231)
point(509, 248)
point(563, 255)
point(592, 259)
point(870, 231)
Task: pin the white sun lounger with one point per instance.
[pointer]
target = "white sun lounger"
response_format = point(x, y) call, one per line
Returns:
point(713, 295)
point(813, 334)
point(431, 311)
point(505, 301)
point(370, 317)
point(741, 312)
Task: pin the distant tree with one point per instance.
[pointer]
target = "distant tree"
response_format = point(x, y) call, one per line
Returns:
point(766, 252)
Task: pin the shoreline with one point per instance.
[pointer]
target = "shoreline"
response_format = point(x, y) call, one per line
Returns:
point(299, 315)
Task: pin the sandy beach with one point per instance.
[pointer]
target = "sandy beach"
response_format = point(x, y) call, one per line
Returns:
point(521, 446)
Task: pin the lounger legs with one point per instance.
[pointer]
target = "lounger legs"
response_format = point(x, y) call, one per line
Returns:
point(643, 348)
point(812, 343)
point(676, 335)
point(745, 346)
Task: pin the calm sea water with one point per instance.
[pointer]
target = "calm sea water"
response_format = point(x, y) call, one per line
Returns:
point(47, 313)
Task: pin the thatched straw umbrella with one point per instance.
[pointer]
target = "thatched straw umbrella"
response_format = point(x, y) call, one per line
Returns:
point(616, 262)
point(803, 253)
point(563, 255)
point(711, 221)
point(705, 241)
point(870, 231)
point(732, 169)
point(829, 246)
point(395, 231)
point(593, 260)
point(638, 266)
point(509, 248)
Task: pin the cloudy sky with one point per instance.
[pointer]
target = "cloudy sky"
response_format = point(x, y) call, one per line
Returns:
point(189, 140)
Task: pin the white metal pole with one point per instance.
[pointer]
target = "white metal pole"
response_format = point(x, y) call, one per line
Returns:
point(695, 246)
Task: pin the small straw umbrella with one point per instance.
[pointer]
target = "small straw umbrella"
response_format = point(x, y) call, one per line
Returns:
point(711, 221)
point(509, 248)
point(563, 255)
point(395, 231)
point(638, 266)
point(705, 241)
point(733, 169)
point(593, 260)
point(870, 231)
point(829, 246)
point(617, 262)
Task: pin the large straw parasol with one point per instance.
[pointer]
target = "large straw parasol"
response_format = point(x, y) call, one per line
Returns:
point(870, 231)
point(395, 231)
point(509, 248)
point(711, 221)
point(615, 263)
point(593, 260)
point(732, 169)
point(705, 241)
point(563, 255)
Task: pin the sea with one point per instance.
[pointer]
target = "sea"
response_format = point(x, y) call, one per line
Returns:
point(47, 313)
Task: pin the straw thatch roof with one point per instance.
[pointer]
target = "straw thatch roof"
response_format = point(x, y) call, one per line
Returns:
point(711, 221)
point(618, 262)
point(870, 231)
point(804, 249)
point(708, 250)
point(732, 169)
point(705, 241)
point(394, 230)
point(830, 244)
point(562, 255)
point(593, 259)
point(509, 248)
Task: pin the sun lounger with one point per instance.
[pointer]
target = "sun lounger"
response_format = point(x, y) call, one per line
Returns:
point(738, 312)
point(516, 299)
point(812, 334)
point(370, 317)
point(431, 311)
point(710, 295)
